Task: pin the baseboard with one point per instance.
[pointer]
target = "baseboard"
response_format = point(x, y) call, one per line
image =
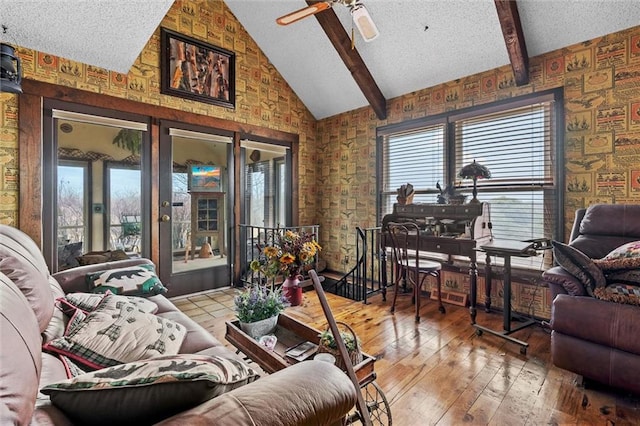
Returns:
point(451, 297)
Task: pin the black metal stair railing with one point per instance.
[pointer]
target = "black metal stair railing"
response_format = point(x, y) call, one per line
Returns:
point(366, 278)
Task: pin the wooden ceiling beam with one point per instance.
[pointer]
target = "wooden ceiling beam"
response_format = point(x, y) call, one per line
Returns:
point(332, 26)
point(514, 38)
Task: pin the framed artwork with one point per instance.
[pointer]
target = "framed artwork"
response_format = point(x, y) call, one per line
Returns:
point(205, 178)
point(195, 70)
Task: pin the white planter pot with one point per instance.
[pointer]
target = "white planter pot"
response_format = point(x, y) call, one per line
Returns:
point(260, 328)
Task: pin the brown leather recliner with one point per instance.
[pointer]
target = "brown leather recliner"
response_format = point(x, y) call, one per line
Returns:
point(595, 338)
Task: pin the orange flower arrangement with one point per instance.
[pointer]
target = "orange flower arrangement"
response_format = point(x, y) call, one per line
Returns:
point(288, 255)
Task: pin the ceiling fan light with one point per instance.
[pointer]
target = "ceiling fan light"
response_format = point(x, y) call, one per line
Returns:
point(364, 23)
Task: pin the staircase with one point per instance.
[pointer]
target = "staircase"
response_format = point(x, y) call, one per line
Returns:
point(365, 278)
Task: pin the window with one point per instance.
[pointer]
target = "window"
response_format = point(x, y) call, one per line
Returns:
point(125, 208)
point(72, 203)
point(415, 157)
point(516, 140)
point(266, 189)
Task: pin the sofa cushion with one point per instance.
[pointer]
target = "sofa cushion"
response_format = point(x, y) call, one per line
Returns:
point(107, 337)
point(88, 302)
point(22, 262)
point(579, 265)
point(143, 392)
point(627, 256)
point(20, 360)
point(619, 293)
point(611, 220)
point(140, 280)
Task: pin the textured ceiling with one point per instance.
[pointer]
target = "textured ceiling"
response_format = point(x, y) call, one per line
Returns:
point(106, 33)
point(463, 38)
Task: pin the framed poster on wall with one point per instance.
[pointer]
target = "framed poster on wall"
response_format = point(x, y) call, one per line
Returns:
point(195, 70)
point(205, 178)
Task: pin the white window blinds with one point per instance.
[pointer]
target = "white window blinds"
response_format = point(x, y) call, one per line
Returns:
point(516, 145)
point(415, 157)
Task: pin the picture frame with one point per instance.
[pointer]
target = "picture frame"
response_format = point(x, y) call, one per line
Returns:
point(195, 70)
point(205, 178)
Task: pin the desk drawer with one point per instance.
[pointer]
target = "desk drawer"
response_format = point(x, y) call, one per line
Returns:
point(443, 246)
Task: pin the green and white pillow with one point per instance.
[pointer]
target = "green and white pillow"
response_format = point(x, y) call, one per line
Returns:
point(145, 392)
point(88, 302)
point(139, 280)
point(117, 334)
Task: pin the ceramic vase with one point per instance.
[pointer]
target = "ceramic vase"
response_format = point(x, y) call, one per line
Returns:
point(292, 290)
point(260, 328)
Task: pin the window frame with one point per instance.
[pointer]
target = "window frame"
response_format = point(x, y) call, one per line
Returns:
point(555, 96)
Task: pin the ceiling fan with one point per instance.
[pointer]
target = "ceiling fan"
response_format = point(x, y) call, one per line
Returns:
point(359, 13)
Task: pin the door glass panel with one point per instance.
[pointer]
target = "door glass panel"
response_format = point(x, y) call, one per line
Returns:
point(199, 197)
point(72, 227)
point(125, 207)
point(102, 164)
point(265, 189)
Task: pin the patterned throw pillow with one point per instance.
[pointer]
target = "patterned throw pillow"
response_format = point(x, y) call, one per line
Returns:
point(108, 337)
point(145, 392)
point(140, 280)
point(619, 293)
point(88, 302)
point(579, 265)
point(624, 276)
point(627, 256)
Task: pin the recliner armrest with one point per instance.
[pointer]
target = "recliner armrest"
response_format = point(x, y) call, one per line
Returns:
point(562, 282)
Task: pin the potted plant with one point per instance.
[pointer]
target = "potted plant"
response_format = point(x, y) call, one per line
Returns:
point(289, 254)
point(257, 308)
point(351, 342)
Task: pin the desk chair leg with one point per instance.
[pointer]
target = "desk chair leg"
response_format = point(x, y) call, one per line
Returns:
point(439, 283)
point(416, 294)
point(396, 286)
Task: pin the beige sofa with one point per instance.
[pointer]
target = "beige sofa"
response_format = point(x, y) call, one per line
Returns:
point(308, 393)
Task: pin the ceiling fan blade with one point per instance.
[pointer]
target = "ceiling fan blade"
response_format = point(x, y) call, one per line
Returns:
point(303, 13)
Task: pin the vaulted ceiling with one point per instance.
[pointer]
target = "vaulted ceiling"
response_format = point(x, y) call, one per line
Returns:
point(422, 43)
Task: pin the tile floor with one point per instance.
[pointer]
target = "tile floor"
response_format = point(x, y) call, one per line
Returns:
point(210, 309)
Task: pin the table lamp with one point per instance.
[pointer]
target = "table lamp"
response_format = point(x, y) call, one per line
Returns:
point(474, 171)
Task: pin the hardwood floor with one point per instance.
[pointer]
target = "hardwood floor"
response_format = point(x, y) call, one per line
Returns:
point(439, 372)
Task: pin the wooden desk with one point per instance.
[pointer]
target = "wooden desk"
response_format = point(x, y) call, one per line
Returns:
point(444, 226)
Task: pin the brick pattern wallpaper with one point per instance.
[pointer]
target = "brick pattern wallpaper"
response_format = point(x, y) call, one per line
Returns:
point(601, 81)
point(263, 97)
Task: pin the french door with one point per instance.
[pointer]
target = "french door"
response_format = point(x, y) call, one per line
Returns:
point(196, 191)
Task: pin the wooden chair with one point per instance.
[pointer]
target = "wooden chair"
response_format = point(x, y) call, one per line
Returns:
point(409, 266)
